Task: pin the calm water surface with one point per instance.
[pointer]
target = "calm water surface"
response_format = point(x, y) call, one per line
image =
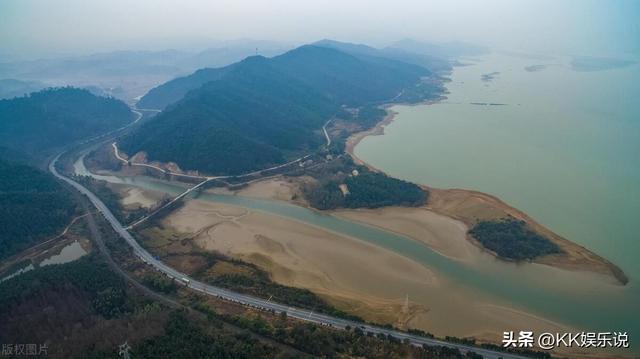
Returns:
point(563, 145)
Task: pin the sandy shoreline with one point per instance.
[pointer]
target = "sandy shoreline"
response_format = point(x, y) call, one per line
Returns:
point(470, 206)
point(347, 272)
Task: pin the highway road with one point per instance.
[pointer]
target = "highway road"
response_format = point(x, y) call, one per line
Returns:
point(302, 314)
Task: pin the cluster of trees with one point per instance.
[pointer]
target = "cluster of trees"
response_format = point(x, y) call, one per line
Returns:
point(187, 339)
point(512, 239)
point(261, 112)
point(104, 289)
point(368, 116)
point(33, 207)
point(366, 190)
point(159, 283)
point(55, 117)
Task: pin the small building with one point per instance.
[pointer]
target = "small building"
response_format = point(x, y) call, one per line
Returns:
point(355, 173)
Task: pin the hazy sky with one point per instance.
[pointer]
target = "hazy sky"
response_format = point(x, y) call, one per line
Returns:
point(47, 27)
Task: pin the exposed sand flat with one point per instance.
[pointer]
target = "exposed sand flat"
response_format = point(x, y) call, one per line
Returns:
point(351, 274)
point(278, 189)
point(443, 234)
point(136, 197)
point(471, 206)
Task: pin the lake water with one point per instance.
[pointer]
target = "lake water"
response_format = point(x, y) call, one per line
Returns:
point(559, 144)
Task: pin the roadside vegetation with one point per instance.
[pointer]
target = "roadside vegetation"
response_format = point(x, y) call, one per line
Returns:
point(323, 342)
point(33, 207)
point(512, 239)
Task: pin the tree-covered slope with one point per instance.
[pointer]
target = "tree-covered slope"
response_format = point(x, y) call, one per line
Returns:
point(33, 207)
point(54, 117)
point(349, 77)
point(261, 112)
point(174, 90)
point(253, 117)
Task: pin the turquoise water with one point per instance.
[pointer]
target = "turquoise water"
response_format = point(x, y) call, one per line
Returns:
point(564, 147)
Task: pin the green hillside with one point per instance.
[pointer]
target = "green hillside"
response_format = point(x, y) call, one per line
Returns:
point(348, 79)
point(261, 112)
point(350, 76)
point(174, 90)
point(254, 117)
point(55, 117)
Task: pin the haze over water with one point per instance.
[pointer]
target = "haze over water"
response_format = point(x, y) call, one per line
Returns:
point(564, 147)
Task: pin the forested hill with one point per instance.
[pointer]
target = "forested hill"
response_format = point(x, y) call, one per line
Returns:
point(261, 112)
point(54, 117)
point(349, 77)
point(174, 90)
point(33, 207)
point(254, 117)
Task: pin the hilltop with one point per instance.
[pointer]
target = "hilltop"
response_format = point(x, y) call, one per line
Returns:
point(51, 118)
point(260, 111)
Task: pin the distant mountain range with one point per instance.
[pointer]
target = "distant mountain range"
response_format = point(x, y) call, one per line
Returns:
point(260, 112)
point(434, 63)
point(444, 50)
point(344, 73)
point(129, 74)
point(10, 88)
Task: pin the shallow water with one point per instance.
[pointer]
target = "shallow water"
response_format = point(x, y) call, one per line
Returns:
point(68, 253)
point(563, 146)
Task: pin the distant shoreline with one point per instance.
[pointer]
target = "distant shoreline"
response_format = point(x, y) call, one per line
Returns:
point(454, 203)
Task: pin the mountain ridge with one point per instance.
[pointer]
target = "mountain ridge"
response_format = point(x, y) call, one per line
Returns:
point(262, 111)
